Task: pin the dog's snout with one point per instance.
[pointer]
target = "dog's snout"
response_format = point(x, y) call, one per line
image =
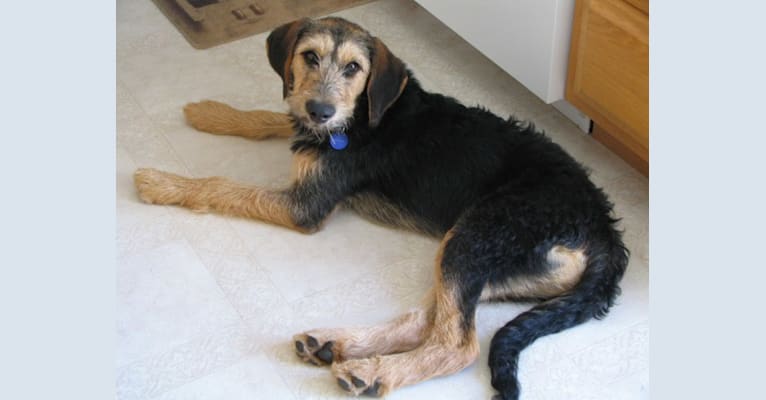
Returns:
point(319, 112)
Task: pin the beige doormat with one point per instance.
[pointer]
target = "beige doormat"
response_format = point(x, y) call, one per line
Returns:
point(208, 23)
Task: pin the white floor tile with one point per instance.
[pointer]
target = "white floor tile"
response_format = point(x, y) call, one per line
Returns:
point(346, 248)
point(185, 363)
point(166, 297)
point(251, 378)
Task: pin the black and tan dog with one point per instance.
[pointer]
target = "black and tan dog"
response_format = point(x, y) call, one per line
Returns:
point(518, 217)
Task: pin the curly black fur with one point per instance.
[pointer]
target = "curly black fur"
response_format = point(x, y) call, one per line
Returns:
point(507, 193)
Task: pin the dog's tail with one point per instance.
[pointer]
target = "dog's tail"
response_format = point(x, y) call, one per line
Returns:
point(590, 298)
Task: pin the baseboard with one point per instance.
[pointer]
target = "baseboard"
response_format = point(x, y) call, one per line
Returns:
point(573, 114)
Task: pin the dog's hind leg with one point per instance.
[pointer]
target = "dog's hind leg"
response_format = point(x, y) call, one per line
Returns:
point(222, 119)
point(450, 344)
point(325, 346)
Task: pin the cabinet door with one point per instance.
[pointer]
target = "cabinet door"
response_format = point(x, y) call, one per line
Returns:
point(608, 76)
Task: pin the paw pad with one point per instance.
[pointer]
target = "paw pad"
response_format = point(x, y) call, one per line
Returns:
point(325, 353)
point(344, 385)
point(314, 351)
point(373, 390)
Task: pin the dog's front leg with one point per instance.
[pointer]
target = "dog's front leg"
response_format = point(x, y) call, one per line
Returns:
point(222, 119)
point(301, 207)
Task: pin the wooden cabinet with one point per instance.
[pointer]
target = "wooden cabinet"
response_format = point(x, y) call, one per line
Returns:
point(608, 76)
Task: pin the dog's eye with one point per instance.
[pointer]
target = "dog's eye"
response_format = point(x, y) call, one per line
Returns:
point(311, 58)
point(351, 69)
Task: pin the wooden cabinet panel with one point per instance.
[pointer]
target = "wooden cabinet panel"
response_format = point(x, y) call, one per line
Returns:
point(608, 75)
point(642, 5)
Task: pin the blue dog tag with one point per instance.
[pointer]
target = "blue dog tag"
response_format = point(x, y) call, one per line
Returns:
point(338, 140)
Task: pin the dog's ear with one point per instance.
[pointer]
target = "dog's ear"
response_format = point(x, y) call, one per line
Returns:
point(280, 46)
point(388, 76)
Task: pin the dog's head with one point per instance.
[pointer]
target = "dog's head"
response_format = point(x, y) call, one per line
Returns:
point(326, 65)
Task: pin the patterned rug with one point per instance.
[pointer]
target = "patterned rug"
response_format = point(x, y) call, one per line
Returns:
point(208, 23)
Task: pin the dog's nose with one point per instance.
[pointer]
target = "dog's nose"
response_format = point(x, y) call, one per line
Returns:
point(319, 112)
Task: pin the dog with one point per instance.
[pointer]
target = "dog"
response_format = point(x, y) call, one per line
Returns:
point(518, 218)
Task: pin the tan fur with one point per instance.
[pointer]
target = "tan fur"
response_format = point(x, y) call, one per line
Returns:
point(446, 349)
point(219, 118)
point(401, 334)
point(351, 52)
point(216, 194)
point(326, 83)
point(322, 44)
point(305, 164)
point(305, 78)
point(565, 267)
point(448, 315)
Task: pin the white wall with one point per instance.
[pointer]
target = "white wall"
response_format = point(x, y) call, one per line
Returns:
point(529, 39)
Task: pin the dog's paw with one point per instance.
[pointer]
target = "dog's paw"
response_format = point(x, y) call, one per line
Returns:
point(360, 377)
point(157, 187)
point(313, 348)
point(211, 116)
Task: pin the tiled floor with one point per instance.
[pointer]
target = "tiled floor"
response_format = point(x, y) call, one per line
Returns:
point(207, 304)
